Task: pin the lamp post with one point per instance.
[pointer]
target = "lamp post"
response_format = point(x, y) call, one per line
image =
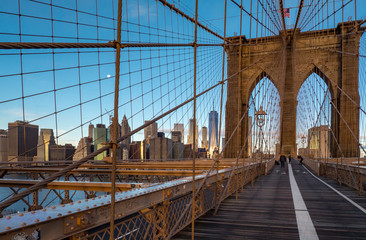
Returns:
point(260, 119)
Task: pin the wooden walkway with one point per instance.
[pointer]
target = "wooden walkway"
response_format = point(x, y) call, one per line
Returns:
point(266, 211)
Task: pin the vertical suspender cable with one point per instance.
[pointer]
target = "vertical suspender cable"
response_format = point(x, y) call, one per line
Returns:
point(115, 119)
point(193, 207)
point(239, 87)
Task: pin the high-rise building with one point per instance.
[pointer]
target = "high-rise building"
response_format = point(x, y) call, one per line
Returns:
point(176, 136)
point(178, 150)
point(91, 129)
point(190, 135)
point(22, 141)
point(61, 153)
point(151, 131)
point(213, 126)
point(100, 136)
point(179, 127)
point(160, 147)
point(84, 148)
point(318, 143)
point(3, 145)
point(125, 145)
point(138, 150)
point(213, 131)
point(125, 128)
point(204, 143)
point(45, 140)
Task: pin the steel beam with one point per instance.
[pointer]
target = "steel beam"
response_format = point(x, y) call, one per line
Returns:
point(68, 185)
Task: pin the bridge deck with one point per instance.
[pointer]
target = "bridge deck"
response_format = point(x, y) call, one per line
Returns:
point(266, 211)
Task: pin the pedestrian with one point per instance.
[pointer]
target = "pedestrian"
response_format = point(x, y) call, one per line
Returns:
point(289, 158)
point(301, 159)
point(282, 160)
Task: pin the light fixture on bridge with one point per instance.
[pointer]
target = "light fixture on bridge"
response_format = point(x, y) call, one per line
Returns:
point(260, 117)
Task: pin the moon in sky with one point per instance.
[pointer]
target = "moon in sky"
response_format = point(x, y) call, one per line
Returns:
point(108, 76)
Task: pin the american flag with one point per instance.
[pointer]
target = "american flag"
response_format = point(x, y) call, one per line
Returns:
point(286, 12)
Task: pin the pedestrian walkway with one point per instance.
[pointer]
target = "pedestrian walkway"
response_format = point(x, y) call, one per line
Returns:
point(267, 210)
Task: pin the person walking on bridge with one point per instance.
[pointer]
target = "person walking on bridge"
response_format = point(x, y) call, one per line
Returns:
point(289, 158)
point(282, 160)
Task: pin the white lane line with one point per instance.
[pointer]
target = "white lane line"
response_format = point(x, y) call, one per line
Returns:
point(304, 223)
point(338, 192)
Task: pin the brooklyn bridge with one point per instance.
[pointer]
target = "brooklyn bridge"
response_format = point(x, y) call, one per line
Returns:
point(170, 119)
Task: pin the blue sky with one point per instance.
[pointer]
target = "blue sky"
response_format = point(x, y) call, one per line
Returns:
point(152, 80)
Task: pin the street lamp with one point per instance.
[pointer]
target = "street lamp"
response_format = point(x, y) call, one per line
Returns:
point(260, 119)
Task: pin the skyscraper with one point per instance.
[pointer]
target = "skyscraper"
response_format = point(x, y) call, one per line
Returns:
point(204, 143)
point(61, 153)
point(84, 148)
point(45, 140)
point(176, 136)
point(151, 131)
point(22, 141)
point(213, 128)
point(3, 145)
point(100, 136)
point(91, 129)
point(179, 127)
point(125, 128)
point(160, 147)
point(125, 145)
point(190, 135)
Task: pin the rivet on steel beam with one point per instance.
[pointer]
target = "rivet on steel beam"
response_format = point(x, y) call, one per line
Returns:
point(101, 203)
point(87, 207)
point(94, 205)
point(86, 200)
point(108, 201)
point(72, 217)
point(63, 205)
point(93, 198)
point(72, 228)
point(78, 209)
point(79, 201)
point(8, 217)
point(37, 220)
point(48, 217)
point(67, 224)
point(7, 228)
point(99, 197)
point(23, 224)
point(71, 203)
point(21, 215)
point(59, 214)
point(33, 212)
point(69, 212)
point(53, 207)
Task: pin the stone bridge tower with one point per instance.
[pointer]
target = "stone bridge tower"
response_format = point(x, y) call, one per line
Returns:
point(288, 60)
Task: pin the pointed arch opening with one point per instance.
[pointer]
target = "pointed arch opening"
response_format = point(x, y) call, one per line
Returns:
point(314, 134)
point(263, 137)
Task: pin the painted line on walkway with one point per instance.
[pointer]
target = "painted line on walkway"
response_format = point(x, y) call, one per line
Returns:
point(338, 192)
point(304, 223)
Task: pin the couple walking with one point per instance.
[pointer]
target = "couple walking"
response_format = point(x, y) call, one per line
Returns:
point(283, 160)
